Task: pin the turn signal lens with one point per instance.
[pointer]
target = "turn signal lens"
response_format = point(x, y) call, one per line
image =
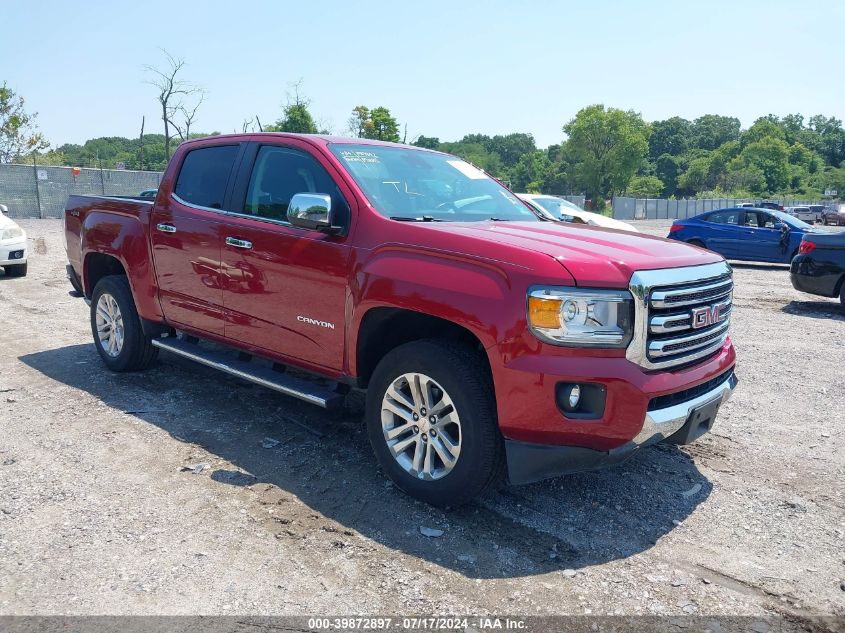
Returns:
point(544, 313)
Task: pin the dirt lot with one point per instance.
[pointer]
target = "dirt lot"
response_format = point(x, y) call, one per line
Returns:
point(158, 493)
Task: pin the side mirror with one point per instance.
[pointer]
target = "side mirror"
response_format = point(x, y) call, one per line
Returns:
point(780, 226)
point(4, 209)
point(312, 211)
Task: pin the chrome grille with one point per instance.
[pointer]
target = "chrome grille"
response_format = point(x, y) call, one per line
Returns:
point(682, 315)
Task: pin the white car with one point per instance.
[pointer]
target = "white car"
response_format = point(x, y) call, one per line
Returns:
point(559, 209)
point(12, 245)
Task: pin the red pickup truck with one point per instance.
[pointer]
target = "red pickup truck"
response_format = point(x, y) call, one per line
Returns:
point(490, 341)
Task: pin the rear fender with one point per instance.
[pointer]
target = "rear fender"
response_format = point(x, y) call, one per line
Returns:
point(124, 238)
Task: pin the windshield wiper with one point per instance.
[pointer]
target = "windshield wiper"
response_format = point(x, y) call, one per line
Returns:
point(424, 218)
point(495, 219)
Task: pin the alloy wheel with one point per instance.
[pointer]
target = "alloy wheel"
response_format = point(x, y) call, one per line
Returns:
point(421, 426)
point(109, 325)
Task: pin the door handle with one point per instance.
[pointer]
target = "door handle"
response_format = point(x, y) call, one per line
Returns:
point(166, 228)
point(238, 243)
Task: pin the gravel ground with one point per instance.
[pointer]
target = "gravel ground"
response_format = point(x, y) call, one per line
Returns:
point(158, 493)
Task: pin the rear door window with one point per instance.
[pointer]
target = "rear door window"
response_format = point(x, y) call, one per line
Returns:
point(724, 217)
point(204, 175)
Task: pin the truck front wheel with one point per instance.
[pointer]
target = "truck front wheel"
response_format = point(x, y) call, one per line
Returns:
point(116, 327)
point(431, 419)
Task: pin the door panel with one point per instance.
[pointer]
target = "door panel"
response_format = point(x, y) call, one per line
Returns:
point(722, 233)
point(760, 241)
point(185, 236)
point(187, 263)
point(284, 288)
point(287, 293)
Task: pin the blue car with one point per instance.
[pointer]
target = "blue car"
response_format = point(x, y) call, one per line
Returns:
point(750, 234)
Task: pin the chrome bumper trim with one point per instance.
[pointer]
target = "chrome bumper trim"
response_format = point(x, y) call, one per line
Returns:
point(661, 423)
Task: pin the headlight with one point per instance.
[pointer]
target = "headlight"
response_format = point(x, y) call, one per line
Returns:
point(581, 317)
point(8, 234)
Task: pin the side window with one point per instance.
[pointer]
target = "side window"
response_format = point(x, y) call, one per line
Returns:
point(724, 217)
point(751, 219)
point(204, 175)
point(278, 174)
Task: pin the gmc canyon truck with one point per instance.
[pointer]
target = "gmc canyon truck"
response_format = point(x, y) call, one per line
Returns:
point(490, 342)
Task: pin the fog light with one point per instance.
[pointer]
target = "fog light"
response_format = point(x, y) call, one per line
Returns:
point(574, 397)
point(581, 401)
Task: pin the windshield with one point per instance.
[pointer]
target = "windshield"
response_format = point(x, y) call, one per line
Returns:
point(557, 206)
point(410, 184)
point(791, 221)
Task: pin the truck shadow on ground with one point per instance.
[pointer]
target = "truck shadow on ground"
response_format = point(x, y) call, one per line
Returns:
point(816, 309)
point(277, 449)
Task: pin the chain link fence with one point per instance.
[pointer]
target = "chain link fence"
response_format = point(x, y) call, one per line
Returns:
point(36, 191)
point(662, 209)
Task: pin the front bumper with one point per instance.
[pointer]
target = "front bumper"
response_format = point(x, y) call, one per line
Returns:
point(13, 252)
point(679, 423)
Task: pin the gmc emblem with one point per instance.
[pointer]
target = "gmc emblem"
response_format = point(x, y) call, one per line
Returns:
point(702, 317)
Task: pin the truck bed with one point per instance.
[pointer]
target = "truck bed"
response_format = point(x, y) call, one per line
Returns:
point(96, 212)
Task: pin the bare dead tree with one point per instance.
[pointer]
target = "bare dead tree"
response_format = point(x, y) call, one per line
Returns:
point(184, 116)
point(141, 145)
point(171, 91)
point(248, 126)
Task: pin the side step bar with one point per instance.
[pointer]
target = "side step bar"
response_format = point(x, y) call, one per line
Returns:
point(264, 376)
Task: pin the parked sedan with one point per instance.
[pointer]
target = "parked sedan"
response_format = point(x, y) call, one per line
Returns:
point(562, 210)
point(12, 245)
point(819, 267)
point(834, 215)
point(759, 235)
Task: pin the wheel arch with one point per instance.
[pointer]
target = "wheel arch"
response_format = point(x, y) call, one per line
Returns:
point(383, 329)
point(98, 265)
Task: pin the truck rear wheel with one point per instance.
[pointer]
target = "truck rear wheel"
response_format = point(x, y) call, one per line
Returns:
point(431, 419)
point(116, 327)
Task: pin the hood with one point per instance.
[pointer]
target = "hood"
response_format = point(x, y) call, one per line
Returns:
point(594, 256)
point(6, 222)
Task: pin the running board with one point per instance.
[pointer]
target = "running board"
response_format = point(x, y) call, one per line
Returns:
point(264, 376)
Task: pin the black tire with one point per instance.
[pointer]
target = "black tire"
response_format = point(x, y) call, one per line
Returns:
point(464, 376)
point(842, 294)
point(15, 270)
point(137, 351)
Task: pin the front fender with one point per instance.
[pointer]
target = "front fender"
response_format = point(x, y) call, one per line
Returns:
point(486, 297)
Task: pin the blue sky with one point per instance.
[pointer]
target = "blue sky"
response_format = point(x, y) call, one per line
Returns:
point(444, 68)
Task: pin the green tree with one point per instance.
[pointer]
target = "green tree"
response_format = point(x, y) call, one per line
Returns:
point(645, 187)
point(672, 136)
point(771, 156)
point(712, 130)
point(762, 128)
point(511, 147)
point(18, 132)
point(667, 168)
point(428, 142)
point(531, 172)
point(607, 147)
point(296, 118)
point(375, 124)
point(696, 177)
